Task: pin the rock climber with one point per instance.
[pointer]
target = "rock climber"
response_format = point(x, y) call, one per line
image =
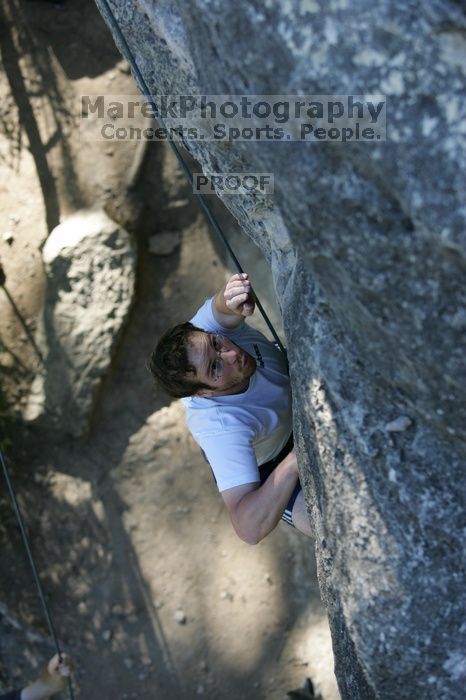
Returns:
point(53, 679)
point(235, 388)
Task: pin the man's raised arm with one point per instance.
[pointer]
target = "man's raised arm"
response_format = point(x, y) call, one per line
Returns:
point(234, 301)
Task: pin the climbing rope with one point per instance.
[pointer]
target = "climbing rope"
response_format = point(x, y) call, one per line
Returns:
point(200, 197)
point(35, 572)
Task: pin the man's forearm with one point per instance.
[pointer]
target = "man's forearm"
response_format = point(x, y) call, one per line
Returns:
point(259, 511)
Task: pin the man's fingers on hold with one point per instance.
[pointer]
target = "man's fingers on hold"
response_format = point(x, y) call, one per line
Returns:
point(238, 276)
point(238, 279)
point(240, 284)
point(237, 295)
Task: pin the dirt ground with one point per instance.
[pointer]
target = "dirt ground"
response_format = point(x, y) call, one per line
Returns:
point(149, 588)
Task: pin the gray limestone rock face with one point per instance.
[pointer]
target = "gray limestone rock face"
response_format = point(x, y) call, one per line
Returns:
point(366, 244)
point(90, 266)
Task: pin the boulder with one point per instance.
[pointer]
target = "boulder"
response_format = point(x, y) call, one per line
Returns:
point(90, 266)
point(366, 244)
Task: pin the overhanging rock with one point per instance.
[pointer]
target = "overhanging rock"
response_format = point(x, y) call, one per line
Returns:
point(366, 245)
point(90, 276)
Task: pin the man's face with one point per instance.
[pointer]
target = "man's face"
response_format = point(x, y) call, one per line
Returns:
point(219, 363)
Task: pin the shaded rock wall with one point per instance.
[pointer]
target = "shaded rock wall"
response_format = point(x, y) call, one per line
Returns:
point(366, 246)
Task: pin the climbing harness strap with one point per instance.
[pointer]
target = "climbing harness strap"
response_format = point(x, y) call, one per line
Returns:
point(200, 197)
point(35, 572)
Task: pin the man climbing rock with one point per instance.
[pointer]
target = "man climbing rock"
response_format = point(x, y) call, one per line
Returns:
point(236, 391)
point(52, 680)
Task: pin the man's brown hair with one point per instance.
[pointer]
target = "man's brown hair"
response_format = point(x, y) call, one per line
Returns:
point(170, 365)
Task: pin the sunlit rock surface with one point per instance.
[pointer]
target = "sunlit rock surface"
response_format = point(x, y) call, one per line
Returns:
point(366, 246)
point(90, 275)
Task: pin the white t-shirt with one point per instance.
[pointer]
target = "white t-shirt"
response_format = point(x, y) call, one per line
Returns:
point(241, 431)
